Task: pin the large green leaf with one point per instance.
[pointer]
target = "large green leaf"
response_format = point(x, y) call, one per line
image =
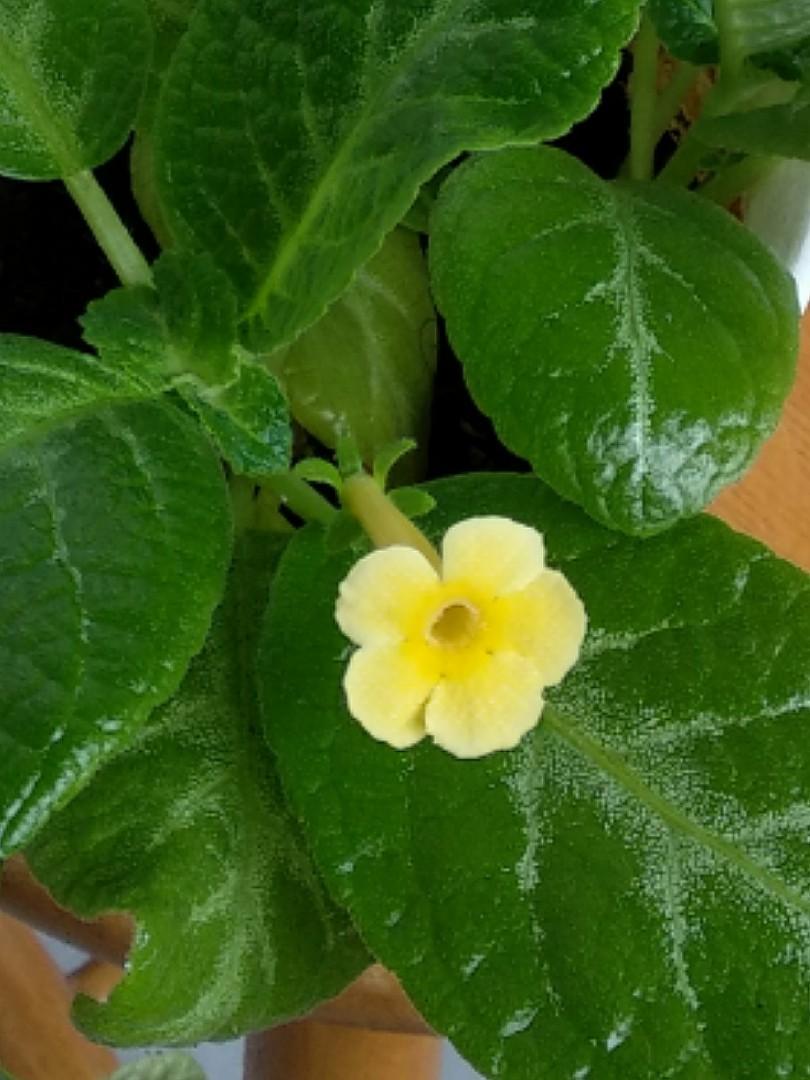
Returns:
point(754, 26)
point(366, 368)
point(779, 130)
point(188, 832)
point(71, 77)
point(43, 385)
point(627, 894)
point(169, 22)
point(630, 340)
point(687, 28)
point(775, 33)
point(114, 538)
point(292, 137)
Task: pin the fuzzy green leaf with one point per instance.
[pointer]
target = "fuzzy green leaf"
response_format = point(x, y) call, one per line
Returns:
point(636, 377)
point(248, 419)
point(186, 324)
point(43, 385)
point(366, 368)
point(188, 832)
point(626, 894)
point(779, 130)
point(114, 539)
point(292, 138)
point(687, 28)
point(71, 77)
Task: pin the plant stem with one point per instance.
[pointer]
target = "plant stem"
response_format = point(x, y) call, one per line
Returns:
point(384, 523)
point(643, 101)
point(671, 97)
point(109, 230)
point(684, 163)
point(729, 183)
point(302, 499)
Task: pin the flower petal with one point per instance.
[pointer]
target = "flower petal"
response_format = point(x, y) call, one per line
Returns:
point(492, 708)
point(498, 554)
point(386, 690)
point(383, 593)
point(545, 622)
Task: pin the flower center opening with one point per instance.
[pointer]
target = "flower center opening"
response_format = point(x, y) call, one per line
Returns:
point(455, 625)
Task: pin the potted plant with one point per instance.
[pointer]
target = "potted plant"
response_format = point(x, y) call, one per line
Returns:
point(507, 715)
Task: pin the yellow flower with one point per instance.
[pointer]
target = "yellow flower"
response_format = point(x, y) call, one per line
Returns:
point(462, 655)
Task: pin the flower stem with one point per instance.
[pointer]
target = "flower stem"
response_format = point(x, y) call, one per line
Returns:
point(109, 230)
point(643, 101)
point(301, 498)
point(384, 523)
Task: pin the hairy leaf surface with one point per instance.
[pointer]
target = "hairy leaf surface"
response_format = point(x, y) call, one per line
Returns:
point(114, 539)
point(247, 418)
point(44, 385)
point(627, 894)
point(188, 832)
point(366, 368)
point(636, 377)
point(292, 137)
point(71, 77)
point(186, 324)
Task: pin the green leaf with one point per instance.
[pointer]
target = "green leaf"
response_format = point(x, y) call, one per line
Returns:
point(317, 471)
point(114, 538)
point(774, 33)
point(412, 501)
point(169, 20)
point(626, 894)
point(756, 26)
point(161, 1067)
point(43, 385)
point(187, 324)
point(388, 457)
point(643, 378)
point(329, 118)
point(779, 130)
point(366, 369)
point(687, 28)
point(248, 419)
point(188, 832)
point(71, 77)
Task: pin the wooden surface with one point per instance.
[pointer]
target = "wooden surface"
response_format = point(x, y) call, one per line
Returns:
point(772, 501)
point(313, 1051)
point(21, 895)
point(37, 1040)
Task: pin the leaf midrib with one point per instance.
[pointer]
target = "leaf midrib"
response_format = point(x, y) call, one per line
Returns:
point(36, 111)
point(614, 765)
point(292, 242)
